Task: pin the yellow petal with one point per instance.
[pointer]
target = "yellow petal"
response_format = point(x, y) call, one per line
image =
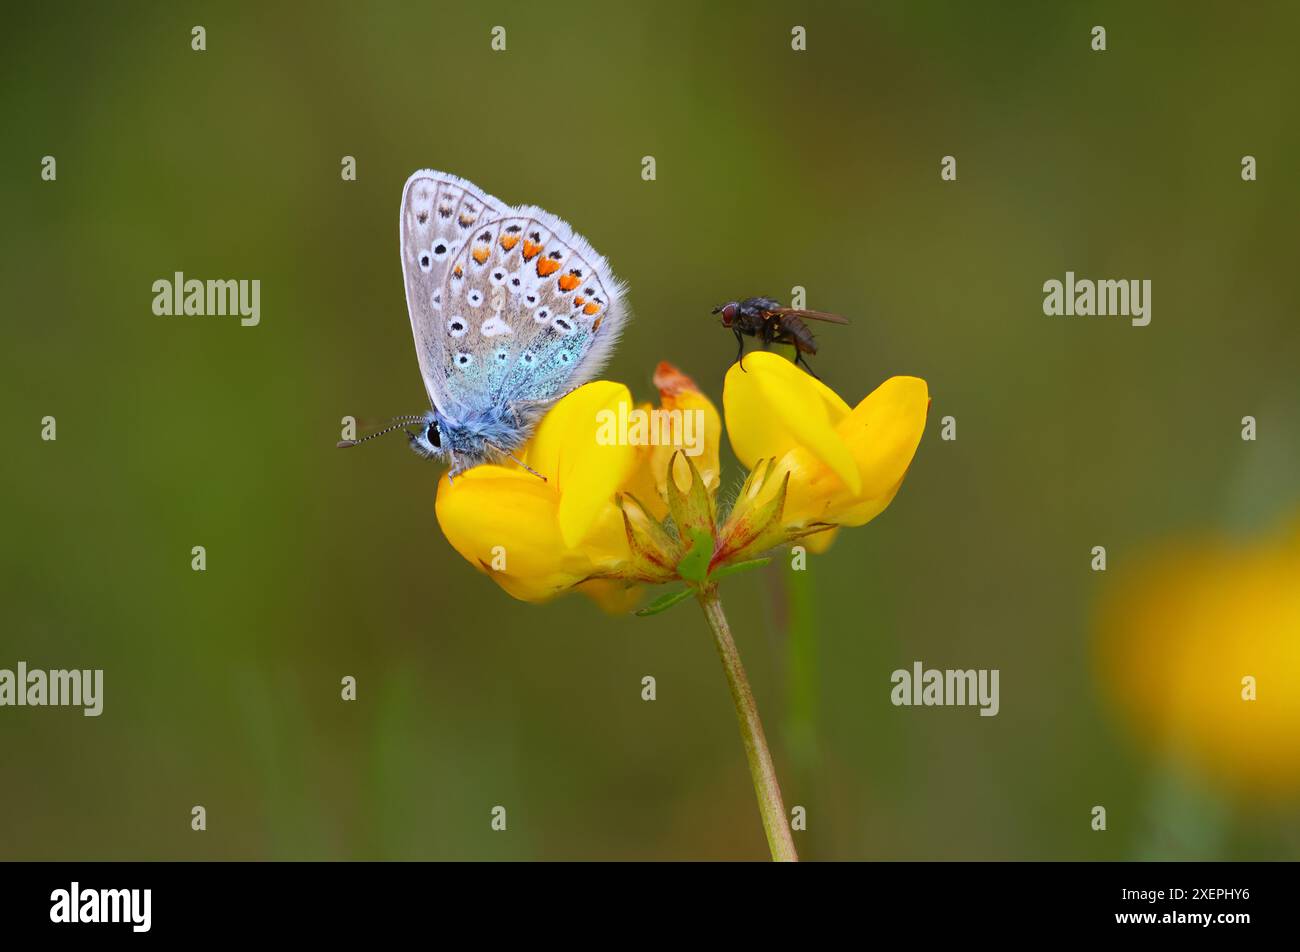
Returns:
point(505, 523)
point(863, 511)
point(773, 407)
point(701, 422)
point(493, 515)
point(613, 596)
point(643, 482)
point(813, 494)
point(584, 468)
point(883, 432)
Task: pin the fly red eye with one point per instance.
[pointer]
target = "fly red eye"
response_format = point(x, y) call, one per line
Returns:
point(728, 315)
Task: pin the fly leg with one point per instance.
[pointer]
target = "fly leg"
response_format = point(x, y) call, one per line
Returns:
point(799, 359)
point(740, 343)
point(784, 336)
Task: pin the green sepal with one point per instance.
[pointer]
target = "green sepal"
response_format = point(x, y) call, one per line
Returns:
point(693, 509)
point(694, 566)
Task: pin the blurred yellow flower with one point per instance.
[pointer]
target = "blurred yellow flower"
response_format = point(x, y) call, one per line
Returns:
point(1185, 642)
point(844, 465)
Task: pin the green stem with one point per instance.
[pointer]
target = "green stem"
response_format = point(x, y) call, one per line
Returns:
point(775, 823)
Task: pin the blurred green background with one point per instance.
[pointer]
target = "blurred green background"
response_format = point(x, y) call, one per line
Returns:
point(775, 169)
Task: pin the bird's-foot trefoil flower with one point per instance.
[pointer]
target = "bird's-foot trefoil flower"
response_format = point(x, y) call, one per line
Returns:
point(616, 514)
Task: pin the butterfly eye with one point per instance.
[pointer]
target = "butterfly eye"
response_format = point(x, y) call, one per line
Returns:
point(433, 435)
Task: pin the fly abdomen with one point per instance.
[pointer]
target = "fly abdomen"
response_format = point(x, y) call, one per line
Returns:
point(798, 334)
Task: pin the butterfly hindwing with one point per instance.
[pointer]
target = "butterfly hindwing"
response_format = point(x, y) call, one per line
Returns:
point(530, 311)
point(439, 214)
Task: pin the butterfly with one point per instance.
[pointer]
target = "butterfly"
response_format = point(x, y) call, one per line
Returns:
point(510, 309)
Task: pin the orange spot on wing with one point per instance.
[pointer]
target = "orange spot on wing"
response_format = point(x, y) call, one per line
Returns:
point(530, 249)
point(457, 271)
point(481, 254)
point(579, 301)
point(509, 241)
point(568, 282)
point(592, 308)
point(547, 266)
point(595, 325)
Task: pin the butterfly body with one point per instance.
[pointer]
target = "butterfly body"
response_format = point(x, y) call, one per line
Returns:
point(767, 320)
point(510, 309)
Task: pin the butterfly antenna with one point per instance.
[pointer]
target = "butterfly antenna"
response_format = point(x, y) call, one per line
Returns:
point(343, 444)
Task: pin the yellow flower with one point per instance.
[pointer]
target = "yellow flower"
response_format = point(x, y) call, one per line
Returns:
point(599, 523)
point(678, 395)
point(538, 539)
point(1176, 641)
point(843, 465)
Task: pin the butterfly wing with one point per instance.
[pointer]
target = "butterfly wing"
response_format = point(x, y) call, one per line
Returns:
point(530, 312)
point(811, 315)
point(439, 214)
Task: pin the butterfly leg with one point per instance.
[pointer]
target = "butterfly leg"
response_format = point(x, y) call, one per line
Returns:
point(508, 455)
point(524, 465)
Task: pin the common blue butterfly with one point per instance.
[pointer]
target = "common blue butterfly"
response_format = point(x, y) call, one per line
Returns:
point(510, 309)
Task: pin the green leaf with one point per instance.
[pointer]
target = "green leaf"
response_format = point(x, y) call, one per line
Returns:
point(736, 568)
point(694, 566)
point(664, 602)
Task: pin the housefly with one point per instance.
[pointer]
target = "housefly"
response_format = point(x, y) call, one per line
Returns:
point(765, 319)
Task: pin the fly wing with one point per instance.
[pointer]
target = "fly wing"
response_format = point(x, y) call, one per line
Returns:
point(440, 213)
point(811, 315)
